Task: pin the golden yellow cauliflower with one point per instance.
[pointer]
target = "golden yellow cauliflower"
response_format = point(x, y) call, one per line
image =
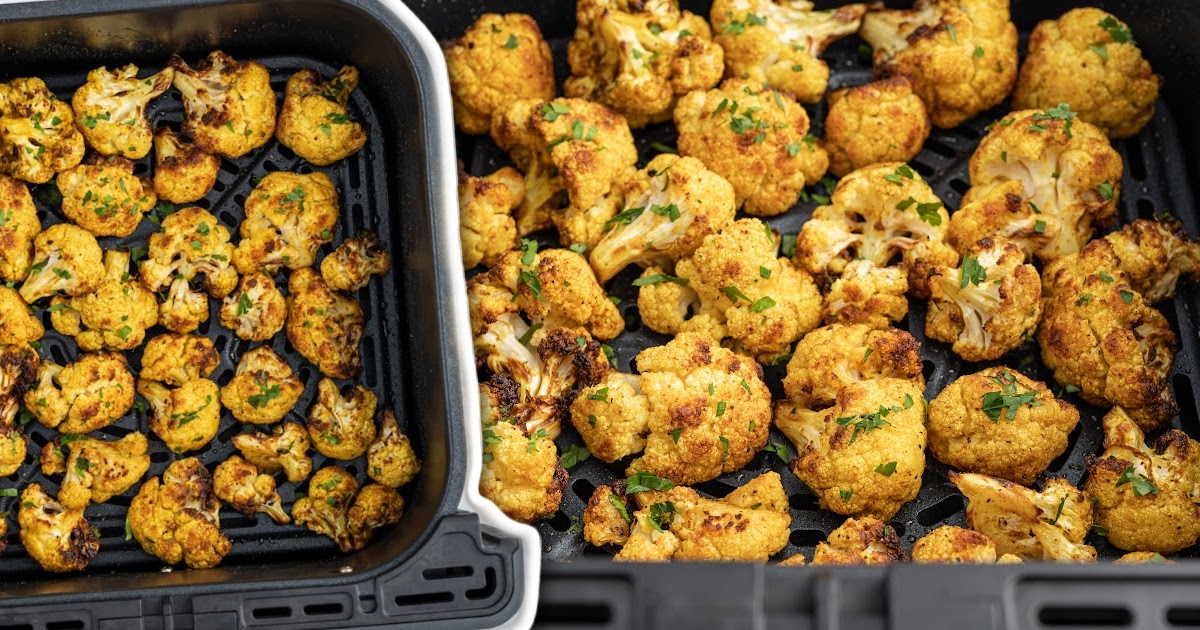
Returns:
point(606, 519)
point(521, 471)
point(342, 426)
point(18, 324)
point(1032, 525)
point(175, 359)
point(185, 418)
point(97, 470)
point(115, 317)
point(323, 325)
point(67, 261)
point(57, 537)
point(288, 216)
point(485, 206)
point(500, 59)
point(391, 460)
point(192, 243)
point(13, 445)
point(877, 122)
point(228, 105)
point(19, 224)
point(284, 449)
point(104, 197)
point(868, 294)
point(1003, 211)
point(89, 394)
point(263, 389)
point(314, 121)
point(860, 541)
point(38, 134)
point(954, 545)
point(110, 109)
point(257, 310)
point(1087, 58)
point(238, 483)
point(352, 264)
point(832, 357)
point(183, 173)
point(375, 506)
point(1143, 557)
point(325, 509)
point(177, 519)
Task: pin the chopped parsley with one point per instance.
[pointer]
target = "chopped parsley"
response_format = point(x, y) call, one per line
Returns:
point(662, 515)
point(997, 402)
point(734, 293)
point(762, 304)
point(530, 280)
point(244, 304)
point(267, 393)
point(1100, 50)
point(189, 416)
point(846, 494)
point(617, 503)
point(868, 422)
point(1117, 31)
point(552, 110)
point(572, 455)
point(1105, 190)
point(737, 27)
point(537, 435)
point(645, 482)
point(972, 272)
point(625, 217)
point(721, 408)
point(779, 449)
point(1126, 296)
point(675, 433)
point(1142, 485)
point(657, 278)
point(600, 394)
point(512, 42)
point(902, 171)
point(671, 212)
point(764, 273)
point(886, 469)
point(530, 247)
point(1058, 513)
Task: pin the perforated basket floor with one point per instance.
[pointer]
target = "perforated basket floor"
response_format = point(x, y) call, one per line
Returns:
point(1154, 182)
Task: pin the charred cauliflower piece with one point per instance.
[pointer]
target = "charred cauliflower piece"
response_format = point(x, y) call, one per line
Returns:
point(756, 138)
point(97, 471)
point(263, 389)
point(59, 538)
point(961, 55)
point(500, 59)
point(867, 294)
point(877, 122)
point(286, 449)
point(228, 105)
point(860, 541)
point(13, 445)
point(571, 151)
point(1046, 525)
point(175, 359)
point(883, 213)
point(1000, 423)
point(485, 206)
point(192, 243)
point(375, 506)
point(639, 57)
point(832, 357)
point(110, 110)
point(288, 216)
point(326, 508)
point(352, 264)
point(19, 361)
point(17, 230)
point(104, 197)
point(780, 42)
point(185, 418)
point(669, 208)
point(1145, 496)
point(1088, 59)
point(67, 262)
point(177, 519)
point(115, 317)
point(89, 394)
point(237, 482)
point(521, 471)
point(314, 121)
point(38, 135)
point(183, 173)
point(257, 310)
point(954, 545)
point(391, 460)
point(606, 519)
point(323, 325)
point(341, 426)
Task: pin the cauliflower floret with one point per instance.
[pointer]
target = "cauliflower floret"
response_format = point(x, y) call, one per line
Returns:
point(613, 417)
point(1032, 525)
point(989, 305)
point(485, 206)
point(835, 356)
point(38, 135)
point(257, 310)
point(669, 208)
point(18, 365)
point(754, 137)
point(110, 109)
point(68, 263)
point(323, 325)
point(13, 446)
point(182, 172)
point(639, 57)
point(115, 317)
point(1003, 212)
point(867, 294)
point(325, 510)
point(341, 426)
point(89, 394)
point(177, 519)
point(263, 390)
point(237, 482)
point(999, 422)
point(954, 545)
point(521, 471)
point(571, 146)
point(288, 216)
point(606, 518)
point(97, 471)
point(59, 538)
point(175, 359)
point(192, 242)
point(961, 55)
point(352, 264)
point(500, 59)
point(1144, 495)
point(18, 325)
point(391, 460)
point(375, 506)
point(1088, 59)
point(860, 541)
point(286, 449)
point(1143, 557)
point(104, 197)
point(19, 224)
point(229, 106)
point(779, 42)
point(185, 418)
point(666, 304)
point(866, 454)
point(314, 121)
point(880, 213)
point(881, 121)
point(1070, 177)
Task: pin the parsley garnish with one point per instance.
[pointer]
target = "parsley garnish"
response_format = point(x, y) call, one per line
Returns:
point(901, 171)
point(625, 217)
point(600, 394)
point(779, 449)
point(644, 482)
point(266, 394)
point(512, 42)
point(1141, 483)
point(734, 293)
point(972, 272)
point(617, 503)
point(1127, 296)
point(530, 247)
point(995, 403)
point(1105, 190)
point(662, 515)
point(886, 469)
point(572, 455)
point(737, 27)
point(762, 304)
point(1117, 31)
point(671, 212)
point(535, 286)
point(656, 278)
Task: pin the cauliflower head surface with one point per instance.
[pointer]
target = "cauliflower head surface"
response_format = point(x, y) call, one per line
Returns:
point(860, 541)
point(38, 134)
point(192, 243)
point(185, 418)
point(352, 264)
point(238, 483)
point(110, 110)
point(228, 105)
point(104, 197)
point(57, 537)
point(183, 172)
point(314, 121)
point(835, 356)
point(13, 445)
point(954, 545)
point(868, 294)
point(342, 426)
point(175, 359)
point(326, 508)
point(485, 205)
point(521, 470)
point(263, 388)
point(89, 394)
point(288, 216)
point(391, 460)
point(323, 325)
point(284, 449)
point(19, 225)
point(1032, 525)
point(17, 324)
point(67, 262)
point(176, 519)
point(375, 506)
point(882, 121)
point(97, 471)
point(257, 310)
point(115, 317)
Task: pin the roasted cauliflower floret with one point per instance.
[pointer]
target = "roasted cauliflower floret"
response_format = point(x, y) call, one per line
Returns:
point(606, 519)
point(192, 243)
point(263, 389)
point(237, 482)
point(877, 122)
point(177, 519)
point(1088, 59)
point(1070, 177)
point(38, 135)
point(286, 449)
point(326, 508)
point(961, 55)
point(1000, 423)
point(185, 418)
point(375, 506)
point(183, 173)
point(1032, 525)
point(110, 109)
point(104, 197)
point(639, 57)
point(257, 310)
point(669, 208)
point(486, 227)
point(67, 262)
point(323, 325)
point(17, 230)
point(19, 363)
point(571, 151)
point(779, 42)
point(228, 105)
point(1143, 557)
point(288, 216)
point(832, 357)
point(623, 422)
point(867, 294)
point(1004, 211)
point(754, 137)
point(13, 445)
point(1145, 496)
point(500, 59)
point(954, 545)
point(391, 460)
point(341, 426)
point(89, 394)
point(352, 264)
point(521, 471)
point(882, 213)
point(175, 359)
point(860, 541)
point(17, 324)
point(97, 471)
point(59, 538)
point(115, 317)
point(314, 121)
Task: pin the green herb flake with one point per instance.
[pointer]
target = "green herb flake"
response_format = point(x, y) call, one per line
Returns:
point(572, 455)
point(778, 449)
point(645, 482)
point(658, 278)
point(886, 469)
point(972, 272)
point(1142, 485)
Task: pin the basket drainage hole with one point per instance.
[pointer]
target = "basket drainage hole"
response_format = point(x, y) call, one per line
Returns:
point(1145, 209)
point(807, 537)
point(1084, 616)
point(573, 614)
point(1189, 617)
point(940, 511)
point(331, 608)
point(583, 489)
point(274, 612)
point(68, 624)
point(444, 573)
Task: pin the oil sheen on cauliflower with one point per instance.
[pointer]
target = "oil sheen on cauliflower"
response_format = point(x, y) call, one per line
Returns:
point(228, 105)
point(391, 460)
point(832, 357)
point(97, 470)
point(67, 261)
point(57, 537)
point(263, 389)
point(192, 243)
point(323, 325)
point(38, 134)
point(314, 121)
point(110, 109)
point(485, 206)
point(883, 121)
point(104, 197)
point(257, 310)
point(18, 227)
point(115, 317)
point(284, 449)
point(183, 173)
point(89, 394)
point(185, 418)
point(176, 519)
point(342, 425)
point(351, 265)
point(288, 216)
point(1032, 525)
point(860, 541)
